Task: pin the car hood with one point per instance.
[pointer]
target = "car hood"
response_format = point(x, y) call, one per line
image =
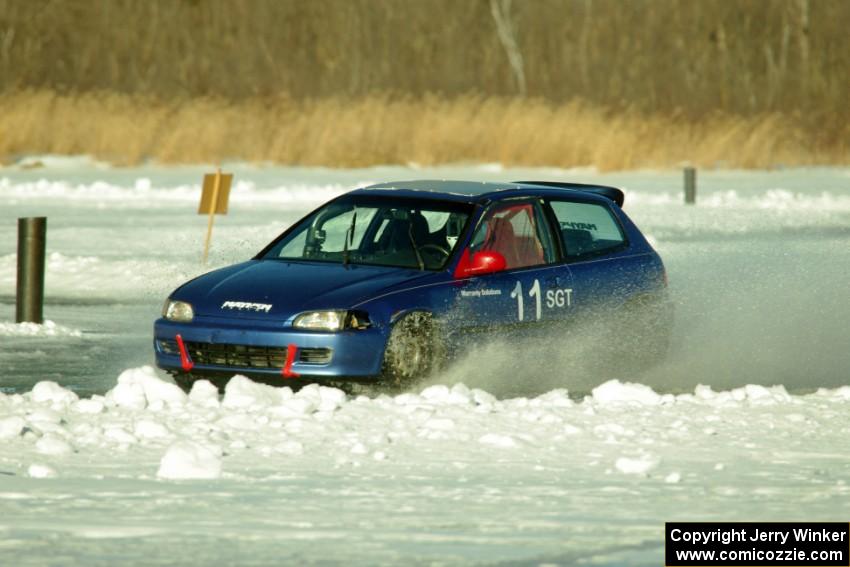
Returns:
point(289, 288)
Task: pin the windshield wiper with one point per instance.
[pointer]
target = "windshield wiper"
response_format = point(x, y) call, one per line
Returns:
point(415, 248)
point(349, 237)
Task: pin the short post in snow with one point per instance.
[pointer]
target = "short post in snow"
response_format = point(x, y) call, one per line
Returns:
point(214, 197)
point(690, 185)
point(32, 237)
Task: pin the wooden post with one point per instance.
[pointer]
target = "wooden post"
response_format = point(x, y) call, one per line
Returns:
point(32, 234)
point(216, 187)
point(690, 185)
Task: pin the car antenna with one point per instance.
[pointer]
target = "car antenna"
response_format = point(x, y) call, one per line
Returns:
point(349, 236)
point(415, 248)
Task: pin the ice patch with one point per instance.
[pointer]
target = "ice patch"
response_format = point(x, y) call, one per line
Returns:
point(760, 395)
point(11, 427)
point(296, 407)
point(52, 392)
point(842, 393)
point(290, 447)
point(437, 393)
point(139, 387)
point(330, 398)
point(89, 405)
point(441, 424)
point(637, 466)
point(204, 394)
point(242, 392)
point(500, 441)
point(40, 471)
point(558, 398)
point(40, 415)
point(120, 435)
point(52, 445)
point(127, 395)
point(188, 460)
point(673, 478)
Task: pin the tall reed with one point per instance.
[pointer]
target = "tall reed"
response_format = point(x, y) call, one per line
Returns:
point(370, 130)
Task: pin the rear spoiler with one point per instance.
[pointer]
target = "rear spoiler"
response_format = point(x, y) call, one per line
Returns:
point(612, 193)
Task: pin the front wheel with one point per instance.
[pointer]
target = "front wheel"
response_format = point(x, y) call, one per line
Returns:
point(413, 350)
point(184, 381)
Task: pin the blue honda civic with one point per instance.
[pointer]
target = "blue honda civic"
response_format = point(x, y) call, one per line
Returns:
point(383, 283)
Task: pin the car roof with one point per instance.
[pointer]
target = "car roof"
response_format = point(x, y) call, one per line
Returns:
point(478, 191)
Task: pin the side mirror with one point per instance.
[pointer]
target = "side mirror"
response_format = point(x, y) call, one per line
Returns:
point(481, 263)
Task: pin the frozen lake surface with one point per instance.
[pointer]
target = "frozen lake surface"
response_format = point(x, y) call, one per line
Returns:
point(508, 467)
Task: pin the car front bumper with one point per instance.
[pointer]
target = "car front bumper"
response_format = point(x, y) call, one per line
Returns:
point(219, 348)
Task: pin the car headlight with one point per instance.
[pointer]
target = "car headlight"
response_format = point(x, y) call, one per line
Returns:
point(335, 320)
point(178, 311)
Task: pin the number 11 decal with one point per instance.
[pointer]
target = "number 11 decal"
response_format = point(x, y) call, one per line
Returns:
point(517, 293)
point(535, 293)
point(554, 298)
point(520, 303)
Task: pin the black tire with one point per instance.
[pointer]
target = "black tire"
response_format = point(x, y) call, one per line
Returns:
point(413, 350)
point(186, 381)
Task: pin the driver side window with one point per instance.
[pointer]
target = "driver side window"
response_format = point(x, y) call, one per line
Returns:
point(517, 231)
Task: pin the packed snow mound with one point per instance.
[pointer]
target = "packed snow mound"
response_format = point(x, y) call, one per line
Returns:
point(51, 392)
point(47, 329)
point(11, 426)
point(625, 428)
point(139, 388)
point(613, 392)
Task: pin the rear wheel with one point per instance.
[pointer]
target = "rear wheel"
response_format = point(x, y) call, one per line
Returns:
point(413, 350)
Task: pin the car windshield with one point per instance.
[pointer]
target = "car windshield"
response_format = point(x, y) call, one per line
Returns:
point(384, 231)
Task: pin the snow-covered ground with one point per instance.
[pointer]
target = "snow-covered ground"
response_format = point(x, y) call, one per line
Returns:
point(102, 460)
point(263, 476)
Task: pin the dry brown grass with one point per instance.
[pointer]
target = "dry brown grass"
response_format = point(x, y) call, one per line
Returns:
point(126, 129)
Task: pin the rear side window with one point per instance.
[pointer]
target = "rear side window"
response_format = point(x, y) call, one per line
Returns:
point(518, 232)
point(587, 228)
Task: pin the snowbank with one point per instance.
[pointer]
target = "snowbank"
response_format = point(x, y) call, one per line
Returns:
point(207, 435)
point(407, 464)
point(48, 329)
point(144, 192)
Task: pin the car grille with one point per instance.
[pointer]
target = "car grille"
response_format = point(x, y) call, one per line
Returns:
point(245, 356)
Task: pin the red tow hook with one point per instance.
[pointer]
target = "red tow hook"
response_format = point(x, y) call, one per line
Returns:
point(185, 361)
point(291, 351)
